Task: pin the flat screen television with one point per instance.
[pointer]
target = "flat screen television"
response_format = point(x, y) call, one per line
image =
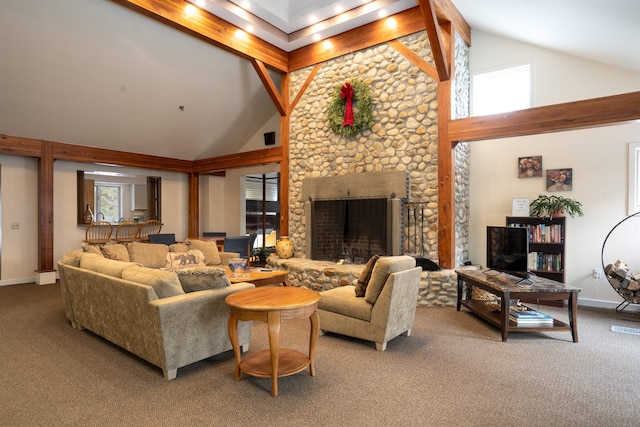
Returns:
point(508, 250)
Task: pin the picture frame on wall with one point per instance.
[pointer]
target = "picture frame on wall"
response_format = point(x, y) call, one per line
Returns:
point(560, 179)
point(530, 167)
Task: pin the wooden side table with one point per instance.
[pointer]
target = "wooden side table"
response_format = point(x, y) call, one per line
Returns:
point(271, 305)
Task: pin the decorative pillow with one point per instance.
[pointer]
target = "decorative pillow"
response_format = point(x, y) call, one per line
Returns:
point(201, 278)
point(152, 255)
point(178, 247)
point(381, 271)
point(365, 276)
point(99, 264)
point(177, 260)
point(116, 252)
point(209, 249)
point(165, 283)
point(92, 250)
point(72, 258)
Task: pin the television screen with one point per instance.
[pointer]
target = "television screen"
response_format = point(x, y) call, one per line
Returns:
point(508, 249)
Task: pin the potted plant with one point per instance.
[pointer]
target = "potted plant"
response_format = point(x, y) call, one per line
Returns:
point(554, 205)
point(262, 254)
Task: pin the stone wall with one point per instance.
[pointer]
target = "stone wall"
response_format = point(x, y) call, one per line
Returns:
point(404, 135)
point(437, 288)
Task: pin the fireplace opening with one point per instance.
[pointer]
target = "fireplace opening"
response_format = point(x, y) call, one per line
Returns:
point(352, 230)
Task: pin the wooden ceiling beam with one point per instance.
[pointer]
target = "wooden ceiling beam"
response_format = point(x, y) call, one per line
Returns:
point(438, 49)
point(589, 113)
point(237, 160)
point(408, 22)
point(80, 153)
point(270, 86)
point(210, 29)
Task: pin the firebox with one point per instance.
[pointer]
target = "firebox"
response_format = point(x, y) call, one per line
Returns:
point(353, 217)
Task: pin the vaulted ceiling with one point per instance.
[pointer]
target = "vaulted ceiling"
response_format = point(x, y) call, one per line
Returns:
point(94, 73)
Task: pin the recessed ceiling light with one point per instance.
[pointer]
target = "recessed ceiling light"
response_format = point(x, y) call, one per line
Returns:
point(250, 29)
point(240, 34)
point(382, 13)
point(313, 19)
point(200, 3)
point(391, 22)
point(317, 37)
point(190, 10)
point(339, 9)
point(327, 44)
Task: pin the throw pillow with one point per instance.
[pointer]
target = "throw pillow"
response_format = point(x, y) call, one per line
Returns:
point(201, 278)
point(116, 252)
point(165, 283)
point(209, 249)
point(365, 276)
point(92, 250)
point(152, 255)
point(72, 258)
point(178, 247)
point(193, 258)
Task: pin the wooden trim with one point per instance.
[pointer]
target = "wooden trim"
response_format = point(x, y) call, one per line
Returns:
point(304, 87)
point(284, 159)
point(45, 208)
point(193, 214)
point(79, 153)
point(589, 113)
point(236, 160)
point(408, 22)
point(446, 11)
point(269, 85)
point(211, 29)
point(435, 39)
point(19, 146)
point(415, 59)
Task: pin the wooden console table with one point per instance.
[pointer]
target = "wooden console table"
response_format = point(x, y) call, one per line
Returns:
point(271, 305)
point(507, 288)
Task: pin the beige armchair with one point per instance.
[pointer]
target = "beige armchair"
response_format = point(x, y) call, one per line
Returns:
point(387, 309)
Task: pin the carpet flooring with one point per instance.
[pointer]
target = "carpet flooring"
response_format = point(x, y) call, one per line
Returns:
point(453, 371)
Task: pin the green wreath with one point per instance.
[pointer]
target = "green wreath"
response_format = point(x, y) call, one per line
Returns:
point(362, 110)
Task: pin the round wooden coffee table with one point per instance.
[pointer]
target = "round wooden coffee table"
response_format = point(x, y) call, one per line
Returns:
point(271, 305)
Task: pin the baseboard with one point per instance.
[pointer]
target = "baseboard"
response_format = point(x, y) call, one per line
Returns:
point(606, 304)
point(20, 281)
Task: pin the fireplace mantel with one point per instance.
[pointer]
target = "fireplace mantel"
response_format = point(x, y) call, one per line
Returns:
point(379, 185)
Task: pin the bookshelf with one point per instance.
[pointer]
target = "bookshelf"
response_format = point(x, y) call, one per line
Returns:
point(546, 245)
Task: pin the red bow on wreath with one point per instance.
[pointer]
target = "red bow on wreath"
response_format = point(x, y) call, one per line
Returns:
point(346, 93)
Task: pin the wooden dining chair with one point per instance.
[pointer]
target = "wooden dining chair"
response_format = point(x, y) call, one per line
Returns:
point(152, 226)
point(126, 231)
point(98, 233)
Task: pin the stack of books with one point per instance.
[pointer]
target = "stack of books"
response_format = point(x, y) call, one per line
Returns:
point(524, 316)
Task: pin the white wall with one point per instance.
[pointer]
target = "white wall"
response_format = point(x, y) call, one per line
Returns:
point(598, 158)
point(19, 203)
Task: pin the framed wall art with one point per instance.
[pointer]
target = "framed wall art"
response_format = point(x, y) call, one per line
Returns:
point(530, 167)
point(560, 179)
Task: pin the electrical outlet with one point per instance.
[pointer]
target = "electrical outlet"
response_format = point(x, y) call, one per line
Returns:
point(597, 273)
point(15, 225)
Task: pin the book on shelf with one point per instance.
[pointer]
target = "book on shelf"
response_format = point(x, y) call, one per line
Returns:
point(543, 233)
point(529, 316)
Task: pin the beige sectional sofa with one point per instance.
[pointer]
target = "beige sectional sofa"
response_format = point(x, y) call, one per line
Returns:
point(144, 309)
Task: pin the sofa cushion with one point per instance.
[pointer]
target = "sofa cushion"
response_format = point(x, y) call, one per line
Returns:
point(178, 247)
point(165, 283)
point(152, 255)
point(200, 278)
point(385, 266)
point(365, 276)
point(92, 249)
point(99, 264)
point(116, 252)
point(177, 260)
point(343, 301)
point(72, 258)
point(209, 249)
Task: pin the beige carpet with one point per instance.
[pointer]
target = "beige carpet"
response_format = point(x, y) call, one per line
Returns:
point(453, 371)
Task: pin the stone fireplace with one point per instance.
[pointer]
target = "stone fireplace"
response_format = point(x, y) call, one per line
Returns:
point(354, 216)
